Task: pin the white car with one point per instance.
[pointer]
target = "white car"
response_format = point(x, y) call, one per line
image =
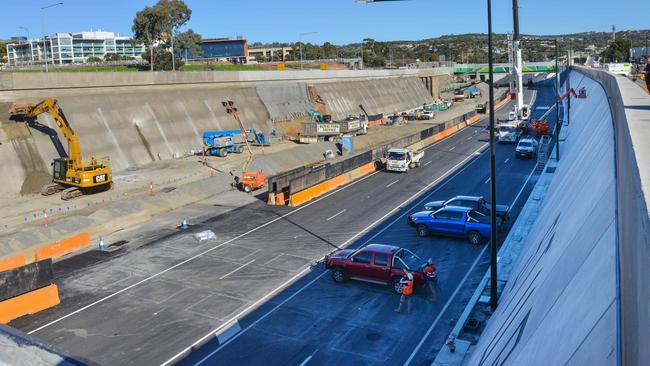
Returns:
point(526, 148)
point(427, 114)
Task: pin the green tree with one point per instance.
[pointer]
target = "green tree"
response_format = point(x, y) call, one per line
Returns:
point(189, 41)
point(93, 59)
point(617, 51)
point(156, 24)
point(3, 52)
point(163, 59)
point(329, 50)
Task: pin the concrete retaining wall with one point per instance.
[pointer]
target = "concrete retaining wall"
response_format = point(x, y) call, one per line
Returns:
point(560, 306)
point(137, 124)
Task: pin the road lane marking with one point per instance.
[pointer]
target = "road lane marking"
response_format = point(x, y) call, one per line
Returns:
point(392, 183)
point(428, 162)
point(306, 361)
point(448, 175)
point(453, 147)
point(469, 138)
point(506, 161)
point(236, 269)
point(451, 298)
point(336, 214)
point(487, 181)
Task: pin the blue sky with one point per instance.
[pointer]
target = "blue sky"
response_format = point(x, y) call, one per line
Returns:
point(337, 21)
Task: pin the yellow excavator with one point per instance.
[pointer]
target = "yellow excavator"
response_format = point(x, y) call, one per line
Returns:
point(71, 175)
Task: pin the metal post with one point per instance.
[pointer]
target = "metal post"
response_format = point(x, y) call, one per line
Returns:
point(300, 43)
point(173, 53)
point(43, 31)
point(568, 87)
point(557, 103)
point(493, 196)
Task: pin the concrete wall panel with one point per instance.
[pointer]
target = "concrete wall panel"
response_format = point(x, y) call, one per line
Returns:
point(562, 289)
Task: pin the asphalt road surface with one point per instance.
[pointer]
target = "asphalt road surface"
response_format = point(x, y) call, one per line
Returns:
point(257, 295)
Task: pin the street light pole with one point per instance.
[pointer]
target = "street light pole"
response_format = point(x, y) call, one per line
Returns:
point(173, 53)
point(300, 41)
point(557, 103)
point(43, 31)
point(494, 299)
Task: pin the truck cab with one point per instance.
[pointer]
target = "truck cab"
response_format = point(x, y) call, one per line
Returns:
point(402, 159)
point(375, 263)
point(508, 132)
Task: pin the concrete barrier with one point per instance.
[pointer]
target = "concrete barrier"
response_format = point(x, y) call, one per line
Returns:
point(308, 194)
point(12, 262)
point(20, 280)
point(63, 247)
point(29, 303)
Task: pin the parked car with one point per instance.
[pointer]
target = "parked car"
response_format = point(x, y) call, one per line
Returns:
point(453, 221)
point(477, 203)
point(426, 114)
point(375, 263)
point(526, 148)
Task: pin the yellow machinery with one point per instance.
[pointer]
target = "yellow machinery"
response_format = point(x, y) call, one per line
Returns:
point(71, 175)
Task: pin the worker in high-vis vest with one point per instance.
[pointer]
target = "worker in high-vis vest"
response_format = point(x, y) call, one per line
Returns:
point(431, 276)
point(407, 291)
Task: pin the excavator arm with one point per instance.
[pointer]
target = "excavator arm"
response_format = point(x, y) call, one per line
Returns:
point(50, 106)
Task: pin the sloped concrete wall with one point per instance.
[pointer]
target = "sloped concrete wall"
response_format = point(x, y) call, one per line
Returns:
point(377, 96)
point(135, 125)
point(561, 305)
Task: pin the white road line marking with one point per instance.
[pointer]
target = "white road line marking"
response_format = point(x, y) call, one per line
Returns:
point(236, 269)
point(453, 147)
point(306, 361)
point(392, 183)
point(447, 174)
point(487, 181)
point(451, 298)
point(506, 161)
point(428, 162)
point(469, 138)
point(197, 256)
point(340, 212)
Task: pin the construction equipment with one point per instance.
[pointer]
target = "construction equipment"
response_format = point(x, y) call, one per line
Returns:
point(222, 142)
point(71, 175)
point(540, 125)
point(250, 180)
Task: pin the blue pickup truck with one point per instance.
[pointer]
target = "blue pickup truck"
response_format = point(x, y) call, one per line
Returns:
point(453, 221)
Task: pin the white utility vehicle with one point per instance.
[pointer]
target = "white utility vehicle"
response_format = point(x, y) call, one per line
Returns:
point(403, 159)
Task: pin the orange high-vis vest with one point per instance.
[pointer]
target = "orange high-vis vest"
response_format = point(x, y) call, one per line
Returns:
point(407, 288)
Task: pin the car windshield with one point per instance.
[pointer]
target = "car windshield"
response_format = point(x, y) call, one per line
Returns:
point(525, 144)
point(507, 129)
point(394, 155)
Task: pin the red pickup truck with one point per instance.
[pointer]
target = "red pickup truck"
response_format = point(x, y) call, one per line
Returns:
point(375, 263)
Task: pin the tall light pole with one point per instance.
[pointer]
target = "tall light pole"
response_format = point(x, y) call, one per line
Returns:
point(29, 39)
point(517, 66)
point(173, 53)
point(494, 296)
point(43, 31)
point(300, 42)
point(493, 218)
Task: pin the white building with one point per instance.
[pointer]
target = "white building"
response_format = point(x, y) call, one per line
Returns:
point(62, 48)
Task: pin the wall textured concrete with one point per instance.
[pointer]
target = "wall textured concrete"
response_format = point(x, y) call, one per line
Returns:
point(561, 305)
point(134, 125)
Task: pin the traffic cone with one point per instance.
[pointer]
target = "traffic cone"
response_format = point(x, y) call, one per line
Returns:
point(102, 245)
point(45, 218)
point(184, 224)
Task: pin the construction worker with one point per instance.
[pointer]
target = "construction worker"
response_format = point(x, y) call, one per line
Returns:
point(431, 276)
point(407, 291)
point(646, 73)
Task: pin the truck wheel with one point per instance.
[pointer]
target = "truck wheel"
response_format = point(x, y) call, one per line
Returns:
point(338, 275)
point(422, 231)
point(223, 153)
point(240, 149)
point(247, 188)
point(396, 285)
point(474, 237)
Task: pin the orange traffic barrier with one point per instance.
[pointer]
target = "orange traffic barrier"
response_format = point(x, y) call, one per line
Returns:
point(11, 263)
point(29, 303)
point(63, 247)
point(310, 193)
